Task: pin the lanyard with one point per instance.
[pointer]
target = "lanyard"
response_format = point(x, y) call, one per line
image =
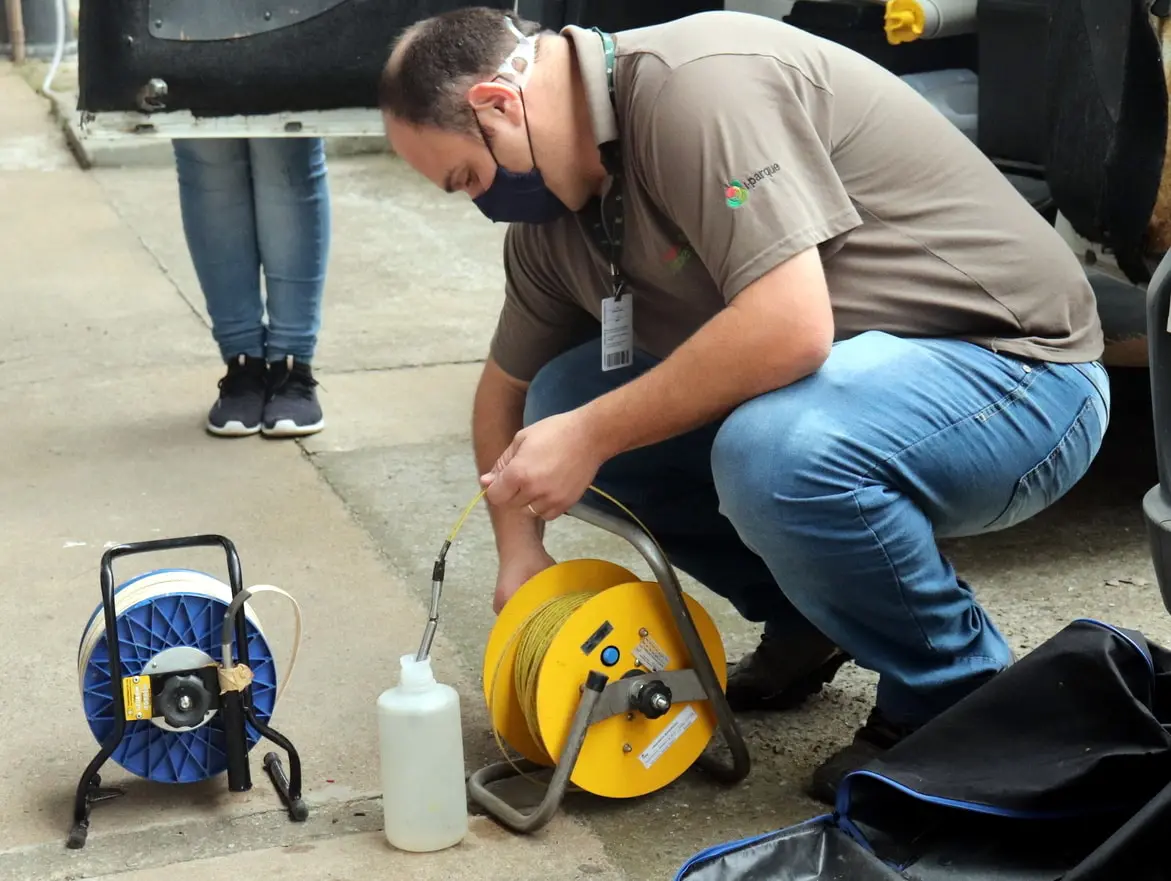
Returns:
point(607, 228)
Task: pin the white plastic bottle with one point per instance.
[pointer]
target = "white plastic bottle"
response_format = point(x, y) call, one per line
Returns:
point(424, 796)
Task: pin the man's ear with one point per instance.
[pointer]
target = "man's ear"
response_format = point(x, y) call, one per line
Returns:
point(496, 98)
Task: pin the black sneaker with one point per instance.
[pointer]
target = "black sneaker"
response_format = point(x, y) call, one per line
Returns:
point(870, 741)
point(238, 410)
point(292, 409)
point(782, 673)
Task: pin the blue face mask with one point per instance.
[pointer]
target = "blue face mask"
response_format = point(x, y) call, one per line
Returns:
point(519, 197)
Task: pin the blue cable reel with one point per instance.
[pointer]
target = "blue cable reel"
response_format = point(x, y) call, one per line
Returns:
point(190, 685)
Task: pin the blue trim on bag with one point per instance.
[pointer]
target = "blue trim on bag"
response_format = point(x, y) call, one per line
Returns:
point(843, 801)
point(1117, 632)
point(719, 850)
point(847, 825)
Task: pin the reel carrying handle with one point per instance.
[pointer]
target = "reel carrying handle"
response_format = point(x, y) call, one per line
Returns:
point(515, 818)
point(668, 581)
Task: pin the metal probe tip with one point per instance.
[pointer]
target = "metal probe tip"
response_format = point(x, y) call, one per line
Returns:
point(436, 592)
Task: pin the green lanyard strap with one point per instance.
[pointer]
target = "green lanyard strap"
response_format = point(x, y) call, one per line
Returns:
point(607, 228)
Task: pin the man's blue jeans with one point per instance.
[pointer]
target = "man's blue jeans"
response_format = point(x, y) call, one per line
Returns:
point(820, 503)
point(253, 204)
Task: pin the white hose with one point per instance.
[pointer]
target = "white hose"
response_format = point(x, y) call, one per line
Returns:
point(229, 628)
point(59, 52)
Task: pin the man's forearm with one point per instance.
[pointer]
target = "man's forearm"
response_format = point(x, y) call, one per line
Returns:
point(729, 360)
point(497, 415)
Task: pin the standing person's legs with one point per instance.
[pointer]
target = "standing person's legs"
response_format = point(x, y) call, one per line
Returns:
point(216, 206)
point(293, 231)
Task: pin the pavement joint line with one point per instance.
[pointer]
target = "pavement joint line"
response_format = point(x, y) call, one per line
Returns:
point(155, 258)
point(65, 123)
point(392, 368)
point(376, 548)
point(110, 852)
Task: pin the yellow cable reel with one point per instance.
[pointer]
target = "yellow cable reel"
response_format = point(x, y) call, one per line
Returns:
point(589, 615)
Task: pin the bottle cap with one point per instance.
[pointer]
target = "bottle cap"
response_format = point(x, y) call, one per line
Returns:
point(416, 674)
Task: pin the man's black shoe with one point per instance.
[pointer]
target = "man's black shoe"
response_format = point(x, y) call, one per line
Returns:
point(783, 672)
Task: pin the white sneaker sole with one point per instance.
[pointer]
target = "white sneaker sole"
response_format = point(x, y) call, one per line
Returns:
point(289, 428)
point(233, 429)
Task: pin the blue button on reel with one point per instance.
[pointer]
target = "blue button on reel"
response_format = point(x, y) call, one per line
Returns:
point(610, 655)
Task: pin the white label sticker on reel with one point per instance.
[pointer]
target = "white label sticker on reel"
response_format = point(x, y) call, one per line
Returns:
point(668, 736)
point(650, 655)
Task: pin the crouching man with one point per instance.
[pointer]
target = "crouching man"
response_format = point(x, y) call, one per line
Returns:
point(762, 292)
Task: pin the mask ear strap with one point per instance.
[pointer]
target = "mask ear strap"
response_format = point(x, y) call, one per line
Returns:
point(525, 52)
point(484, 138)
point(528, 130)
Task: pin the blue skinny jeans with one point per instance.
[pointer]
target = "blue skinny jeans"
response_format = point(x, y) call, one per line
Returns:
point(253, 205)
point(819, 504)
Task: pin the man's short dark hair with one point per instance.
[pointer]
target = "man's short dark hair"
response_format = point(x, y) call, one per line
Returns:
point(435, 61)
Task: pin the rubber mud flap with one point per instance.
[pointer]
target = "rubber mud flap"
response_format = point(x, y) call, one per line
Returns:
point(326, 56)
point(190, 20)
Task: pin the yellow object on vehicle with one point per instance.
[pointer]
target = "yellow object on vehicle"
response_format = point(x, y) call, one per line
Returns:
point(905, 21)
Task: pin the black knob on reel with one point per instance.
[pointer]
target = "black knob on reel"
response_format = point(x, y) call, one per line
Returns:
point(653, 699)
point(184, 701)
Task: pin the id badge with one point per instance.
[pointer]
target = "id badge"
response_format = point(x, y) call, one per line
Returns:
point(617, 332)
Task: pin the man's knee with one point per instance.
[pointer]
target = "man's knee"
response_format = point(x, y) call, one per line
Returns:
point(776, 451)
point(560, 386)
point(817, 439)
point(575, 377)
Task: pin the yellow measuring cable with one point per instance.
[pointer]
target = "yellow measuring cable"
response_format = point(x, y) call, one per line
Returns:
point(534, 636)
point(471, 506)
point(464, 516)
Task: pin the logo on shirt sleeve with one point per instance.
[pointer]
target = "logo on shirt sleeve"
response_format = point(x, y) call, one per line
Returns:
point(736, 192)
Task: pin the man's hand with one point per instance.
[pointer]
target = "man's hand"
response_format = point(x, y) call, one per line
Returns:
point(516, 570)
point(547, 468)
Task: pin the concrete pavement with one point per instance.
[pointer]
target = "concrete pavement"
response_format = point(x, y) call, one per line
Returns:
point(106, 371)
point(102, 350)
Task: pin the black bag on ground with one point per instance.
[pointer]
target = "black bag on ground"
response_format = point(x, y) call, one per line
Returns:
point(1058, 769)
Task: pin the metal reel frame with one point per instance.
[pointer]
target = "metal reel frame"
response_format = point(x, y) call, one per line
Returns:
point(236, 706)
point(601, 699)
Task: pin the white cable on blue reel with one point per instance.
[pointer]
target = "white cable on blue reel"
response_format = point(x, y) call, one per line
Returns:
point(184, 704)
